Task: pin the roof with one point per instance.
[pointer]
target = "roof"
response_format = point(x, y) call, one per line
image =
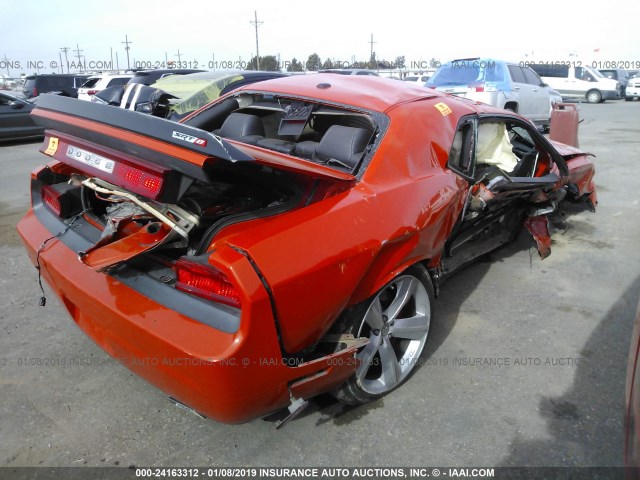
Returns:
point(364, 91)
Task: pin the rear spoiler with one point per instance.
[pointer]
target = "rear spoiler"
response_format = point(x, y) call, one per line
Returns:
point(176, 146)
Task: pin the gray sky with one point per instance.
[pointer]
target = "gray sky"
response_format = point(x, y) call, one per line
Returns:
point(551, 30)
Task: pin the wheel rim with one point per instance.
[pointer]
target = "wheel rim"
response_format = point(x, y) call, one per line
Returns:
point(593, 97)
point(397, 324)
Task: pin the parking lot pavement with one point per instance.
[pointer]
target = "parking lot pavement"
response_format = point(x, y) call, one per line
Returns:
point(525, 365)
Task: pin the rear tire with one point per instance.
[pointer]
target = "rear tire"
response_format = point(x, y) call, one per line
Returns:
point(594, 96)
point(396, 320)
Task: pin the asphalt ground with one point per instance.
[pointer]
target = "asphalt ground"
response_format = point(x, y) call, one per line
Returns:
point(525, 365)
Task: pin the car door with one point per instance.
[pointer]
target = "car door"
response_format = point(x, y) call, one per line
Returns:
point(540, 103)
point(512, 172)
point(523, 89)
point(579, 80)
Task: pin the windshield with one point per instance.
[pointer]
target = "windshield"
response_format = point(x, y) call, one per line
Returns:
point(194, 91)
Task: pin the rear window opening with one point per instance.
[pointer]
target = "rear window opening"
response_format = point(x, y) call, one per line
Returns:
point(91, 82)
point(329, 135)
point(118, 81)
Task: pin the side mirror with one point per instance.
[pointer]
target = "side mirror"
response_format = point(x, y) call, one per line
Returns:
point(542, 84)
point(16, 105)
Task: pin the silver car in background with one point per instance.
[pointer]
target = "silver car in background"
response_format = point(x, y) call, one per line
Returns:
point(498, 83)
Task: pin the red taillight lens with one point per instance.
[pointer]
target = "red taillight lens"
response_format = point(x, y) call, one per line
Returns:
point(137, 180)
point(62, 199)
point(478, 87)
point(92, 92)
point(51, 199)
point(207, 282)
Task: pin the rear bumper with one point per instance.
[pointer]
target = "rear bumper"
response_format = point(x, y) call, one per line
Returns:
point(232, 376)
point(632, 92)
point(610, 94)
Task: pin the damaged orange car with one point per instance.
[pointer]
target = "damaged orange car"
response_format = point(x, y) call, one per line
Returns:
point(287, 239)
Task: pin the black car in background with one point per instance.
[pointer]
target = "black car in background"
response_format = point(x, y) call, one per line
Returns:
point(66, 84)
point(148, 77)
point(15, 119)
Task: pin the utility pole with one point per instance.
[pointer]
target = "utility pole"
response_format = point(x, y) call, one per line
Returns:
point(78, 52)
point(179, 57)
point(66, 59)
point(126, 43)
point(256, 24)
point(371, 42)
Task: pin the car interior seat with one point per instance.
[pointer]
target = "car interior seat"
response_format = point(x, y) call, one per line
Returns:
point(342, 145)
point(243, 127)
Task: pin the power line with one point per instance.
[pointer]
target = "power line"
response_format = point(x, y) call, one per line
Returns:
point(256, 23)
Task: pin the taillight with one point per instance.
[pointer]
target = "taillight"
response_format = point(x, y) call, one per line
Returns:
point(477, 87)
point(35, 92)
point(206, 282)
point(137, 180)
point(92, 92)
point(62, 199)
point(51, 199)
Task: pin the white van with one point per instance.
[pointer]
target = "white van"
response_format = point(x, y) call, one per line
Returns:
point(579, 82)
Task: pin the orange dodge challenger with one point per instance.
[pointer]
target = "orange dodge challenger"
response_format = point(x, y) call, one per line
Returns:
point(286, 239)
